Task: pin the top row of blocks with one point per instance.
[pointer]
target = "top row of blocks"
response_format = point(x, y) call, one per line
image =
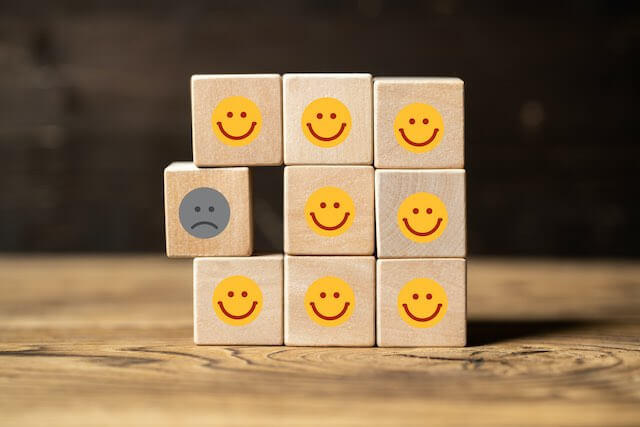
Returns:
point(237, 120)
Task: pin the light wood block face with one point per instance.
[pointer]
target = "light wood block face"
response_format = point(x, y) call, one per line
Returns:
point(327, 119)
point(236, 119)
point(329, 301)
point(238, 300)
point(420, 213)
point(421, 302)
point(329, 210)
point(418, 122)
point(207, 211)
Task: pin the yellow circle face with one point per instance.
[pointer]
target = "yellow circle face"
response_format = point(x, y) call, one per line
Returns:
point(422, 217)
point(422, 303)
point(326, 122)
point(418, 128)
point(329, 211)
point(237, 300)
point(329, 301)
point(236, 121)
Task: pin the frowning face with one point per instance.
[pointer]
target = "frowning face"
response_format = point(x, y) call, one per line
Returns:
point(204, 213)
point(236, 121)
point(326, 122)
point(422, 217)
point(418, 128)
point(329, 301)
point(422, 303)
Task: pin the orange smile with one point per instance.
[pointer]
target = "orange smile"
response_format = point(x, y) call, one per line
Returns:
point(328, 228)
point(236, 138)
point(242, 316)
point(322, 316)
point(422, 234)
point(322, 138)
point(419, 144)
point(421, 319)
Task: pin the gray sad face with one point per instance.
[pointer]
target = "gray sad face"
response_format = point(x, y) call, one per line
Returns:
point(204, 213)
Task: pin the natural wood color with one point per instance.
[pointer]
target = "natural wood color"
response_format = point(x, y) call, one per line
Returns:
point(358, 272)
point(267, 272)
point(234, 183)
point(265, 90)
point(354, 91)
point(108, 341)
point(391, 94)
point(300, 182)
point(394, 186)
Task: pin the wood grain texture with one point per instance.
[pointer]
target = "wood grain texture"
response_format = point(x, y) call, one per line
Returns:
point(392, 94)
point(300, 182)
point(265, 90)
point(237, 239)
point(108, 341)
point(302, 328)
point(267, 273)
point(354, 91)
point(393, 274)
point(394, 186)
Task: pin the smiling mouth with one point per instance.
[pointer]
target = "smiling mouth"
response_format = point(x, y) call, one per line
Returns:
point(422, 234)
point(419, 144)
point(199, 223)
point(322, 138)
point(323, 317)
point(324, 227)
point(242, 316)
point(236, 138)
point(421, 319)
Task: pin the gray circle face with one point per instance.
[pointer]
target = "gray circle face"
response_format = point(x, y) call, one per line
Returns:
point(204, 213)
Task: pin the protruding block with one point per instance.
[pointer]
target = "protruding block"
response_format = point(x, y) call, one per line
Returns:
point(329, 301)
point(207, 211)
point(238, 301)
point(327, 119)
point(421, 302)
point(236, 119)
point(420, 213)
point(328, 210)
point(418, 122)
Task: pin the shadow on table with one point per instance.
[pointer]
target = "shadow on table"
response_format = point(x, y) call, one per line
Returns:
point(486, 332)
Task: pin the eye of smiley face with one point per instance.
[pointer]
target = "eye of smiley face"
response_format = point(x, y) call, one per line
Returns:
point(422, 217)
point(326, 122)
point(236, 121)
point(422, 303)
point(418, 128)
point(329, 211)
point(237, 300)
point(329, 301)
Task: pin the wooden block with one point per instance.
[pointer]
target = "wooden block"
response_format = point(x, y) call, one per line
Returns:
point(207, 211)
point(328, 210)
point(421, 302)
point(238, 300)
point(418, 122)
point(420, 213)
point(327, 119)
point(236, 119)
point(329, 301)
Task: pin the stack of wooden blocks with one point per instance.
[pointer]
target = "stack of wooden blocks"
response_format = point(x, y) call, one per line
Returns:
point(328, 289)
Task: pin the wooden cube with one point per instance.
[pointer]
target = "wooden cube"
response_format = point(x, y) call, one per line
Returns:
point(207, 211)
point(238, 300)
point(329, 301)
point(418, 122)
point(420, 213)
point(327, 119)
point(421, 302)
point(328, 210)
point(236, 119)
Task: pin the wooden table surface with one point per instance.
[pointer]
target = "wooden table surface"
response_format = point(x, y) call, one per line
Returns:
point(107, 340)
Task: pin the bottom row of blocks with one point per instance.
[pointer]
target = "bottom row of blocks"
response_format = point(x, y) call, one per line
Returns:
point(329, 301)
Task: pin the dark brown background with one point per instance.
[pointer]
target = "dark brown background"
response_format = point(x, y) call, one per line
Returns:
point(94, 102)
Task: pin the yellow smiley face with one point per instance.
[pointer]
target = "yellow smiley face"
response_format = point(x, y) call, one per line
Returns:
point(422, 303)
point(329, 301)
point(418, 128)
point(422, 217)
point(329, 211)
point(326, 122)
point(237, 300)
point(236, 121)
